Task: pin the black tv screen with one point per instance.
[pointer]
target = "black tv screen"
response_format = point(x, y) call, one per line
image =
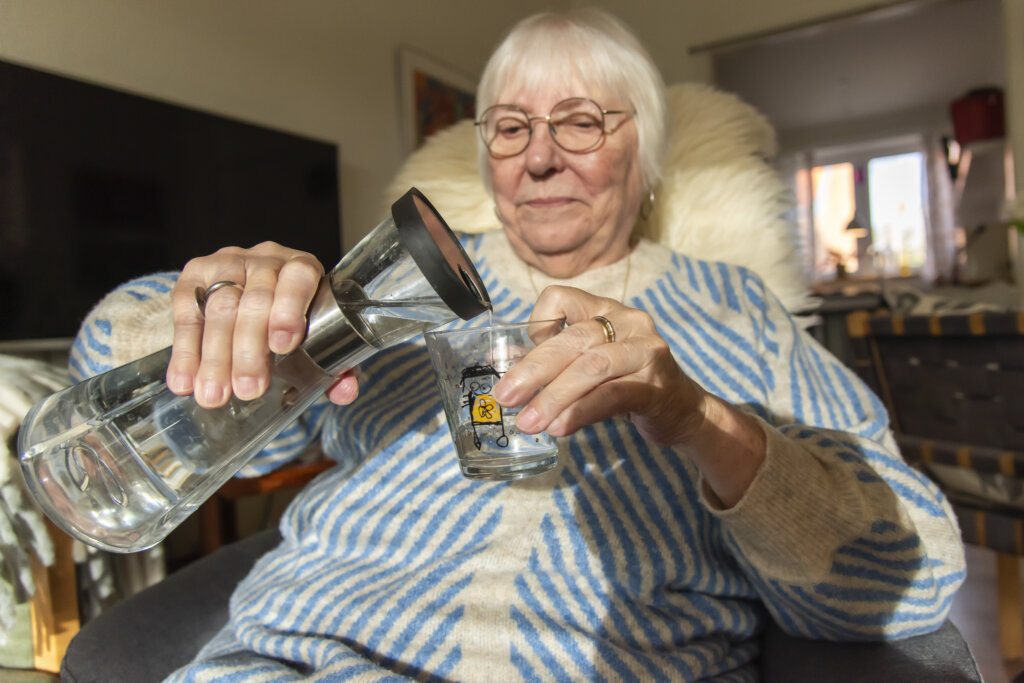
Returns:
point(98, 186)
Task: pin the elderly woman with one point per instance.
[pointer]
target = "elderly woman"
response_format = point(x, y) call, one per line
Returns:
point(717, 468)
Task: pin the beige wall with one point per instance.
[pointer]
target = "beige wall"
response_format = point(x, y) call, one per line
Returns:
point(325, 68)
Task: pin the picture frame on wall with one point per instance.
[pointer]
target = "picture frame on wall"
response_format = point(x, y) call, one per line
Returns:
point(432, 95)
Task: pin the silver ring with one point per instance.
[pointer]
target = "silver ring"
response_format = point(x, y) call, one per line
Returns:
point(203, 295)
point(606, 326)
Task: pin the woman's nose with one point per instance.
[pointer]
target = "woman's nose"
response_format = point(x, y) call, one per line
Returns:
point(542, 153)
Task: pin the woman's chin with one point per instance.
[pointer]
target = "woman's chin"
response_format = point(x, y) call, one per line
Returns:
point(551, 212)
point(553, 231)
point(551, 241)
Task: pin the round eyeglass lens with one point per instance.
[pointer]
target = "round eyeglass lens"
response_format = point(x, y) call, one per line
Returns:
point(578, 124)
point(505, 130)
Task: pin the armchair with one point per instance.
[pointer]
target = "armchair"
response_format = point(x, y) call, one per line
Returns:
point(716, 175)
point(151, 634)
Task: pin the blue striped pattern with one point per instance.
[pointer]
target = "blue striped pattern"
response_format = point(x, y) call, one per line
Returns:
point(609, 568)
point(92, 350)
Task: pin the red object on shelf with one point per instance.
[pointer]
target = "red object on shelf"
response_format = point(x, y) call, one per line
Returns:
point(979, 115)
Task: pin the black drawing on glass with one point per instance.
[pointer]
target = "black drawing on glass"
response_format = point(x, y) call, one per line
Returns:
point(483, 409)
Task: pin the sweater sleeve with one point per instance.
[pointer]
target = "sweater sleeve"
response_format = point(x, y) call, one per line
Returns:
point(842, 539)
point(135, 320)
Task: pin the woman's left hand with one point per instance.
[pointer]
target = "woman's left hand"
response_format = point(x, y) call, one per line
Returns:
point(585, 379)
point(578, 378)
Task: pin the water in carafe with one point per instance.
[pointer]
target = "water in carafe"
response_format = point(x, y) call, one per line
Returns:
point(118, 460)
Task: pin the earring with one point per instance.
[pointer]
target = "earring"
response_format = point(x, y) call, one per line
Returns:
point(647, 206)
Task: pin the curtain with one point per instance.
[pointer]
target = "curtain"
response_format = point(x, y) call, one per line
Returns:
point(939, 213)
point(795, 170)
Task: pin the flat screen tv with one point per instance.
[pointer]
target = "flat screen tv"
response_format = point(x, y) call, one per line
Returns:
point(98, 186)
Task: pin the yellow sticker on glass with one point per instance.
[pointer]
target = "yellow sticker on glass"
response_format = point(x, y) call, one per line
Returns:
point(485, 410)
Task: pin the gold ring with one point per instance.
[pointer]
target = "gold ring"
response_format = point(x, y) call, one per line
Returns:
point(606, 326)
point(203, 295)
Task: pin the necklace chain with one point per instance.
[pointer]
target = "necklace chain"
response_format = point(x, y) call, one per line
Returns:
point(625, 279)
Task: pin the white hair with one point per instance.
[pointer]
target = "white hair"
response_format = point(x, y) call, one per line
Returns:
point(588, 46)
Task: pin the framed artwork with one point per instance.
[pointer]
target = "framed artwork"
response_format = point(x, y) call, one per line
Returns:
point(431, 96)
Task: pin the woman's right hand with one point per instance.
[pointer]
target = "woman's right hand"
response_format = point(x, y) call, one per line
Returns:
point(227, 350)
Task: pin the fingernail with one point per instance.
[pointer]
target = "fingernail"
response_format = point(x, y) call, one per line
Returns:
point(282, 342)
point(528, 419)
point(212, 392)
point(555, 428)
point(179, 383)
point(500, 391)
point(507, 390)
point(349, 389)
point(247, 387)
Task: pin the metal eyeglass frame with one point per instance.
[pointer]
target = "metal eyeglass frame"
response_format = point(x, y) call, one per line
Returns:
point(530, 120)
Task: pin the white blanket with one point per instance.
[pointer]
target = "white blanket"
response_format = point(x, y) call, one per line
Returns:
point(23, 382)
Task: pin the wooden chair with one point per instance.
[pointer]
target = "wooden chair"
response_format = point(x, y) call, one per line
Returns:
point(44, 625)
point(952, 385)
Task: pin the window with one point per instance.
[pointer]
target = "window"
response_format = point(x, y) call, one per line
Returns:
point(865, 210)
point(896, 187)
point(833, 208)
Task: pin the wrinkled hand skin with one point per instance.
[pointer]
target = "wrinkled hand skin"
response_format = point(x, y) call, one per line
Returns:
point(227, 350)
point(577, 378)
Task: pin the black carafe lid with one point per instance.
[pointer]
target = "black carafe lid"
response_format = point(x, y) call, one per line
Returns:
point(439, 255)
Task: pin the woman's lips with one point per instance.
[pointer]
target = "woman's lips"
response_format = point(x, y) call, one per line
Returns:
point(548, 202)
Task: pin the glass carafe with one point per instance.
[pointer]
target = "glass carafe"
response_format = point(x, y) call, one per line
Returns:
point(118, 460)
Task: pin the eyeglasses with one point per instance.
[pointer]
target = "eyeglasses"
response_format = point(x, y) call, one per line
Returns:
point(576, 125)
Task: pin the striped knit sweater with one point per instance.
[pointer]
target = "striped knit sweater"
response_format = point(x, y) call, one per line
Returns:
point(618, 565)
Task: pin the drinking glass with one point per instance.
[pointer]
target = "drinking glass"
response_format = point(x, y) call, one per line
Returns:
point(467, 364)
